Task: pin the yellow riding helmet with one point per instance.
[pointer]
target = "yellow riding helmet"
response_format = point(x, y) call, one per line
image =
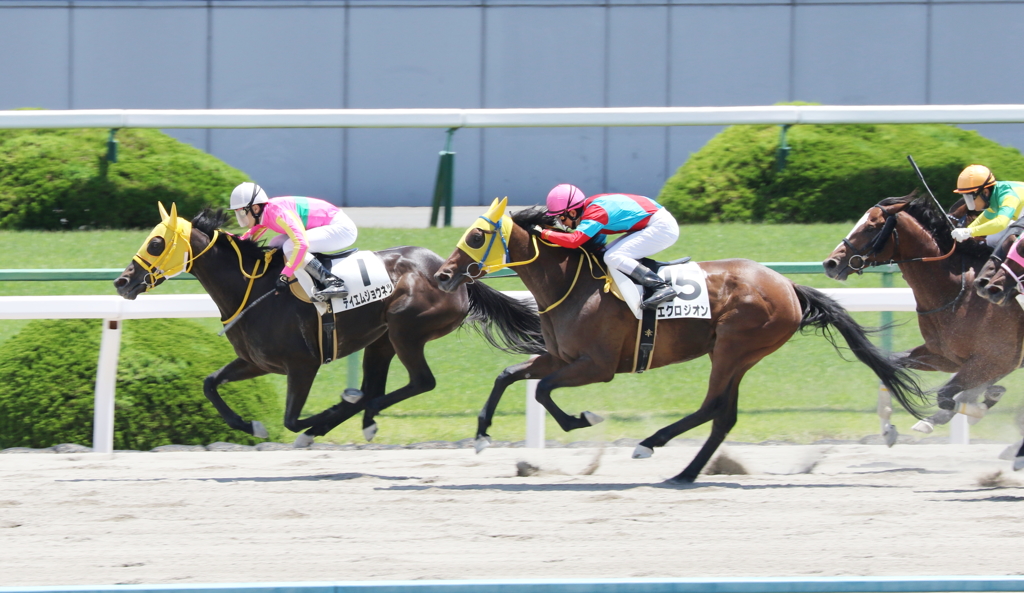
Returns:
point(973, 179)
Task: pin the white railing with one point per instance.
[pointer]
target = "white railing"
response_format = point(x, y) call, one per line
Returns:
point(114, 309)
point(512, 118)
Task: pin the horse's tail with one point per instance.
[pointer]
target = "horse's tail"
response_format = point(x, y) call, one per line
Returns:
point(506, 323)
point(820, 312)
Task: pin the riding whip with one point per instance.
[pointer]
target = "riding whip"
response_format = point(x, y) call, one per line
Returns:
point(232, 323)
point(934, 199)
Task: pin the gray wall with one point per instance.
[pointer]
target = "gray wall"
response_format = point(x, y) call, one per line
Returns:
point(183, 54)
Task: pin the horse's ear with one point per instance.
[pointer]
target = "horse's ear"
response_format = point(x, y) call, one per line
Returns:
point(163, 212)
point(172, 218)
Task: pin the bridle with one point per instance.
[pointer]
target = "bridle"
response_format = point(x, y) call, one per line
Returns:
point(496, 233)
point(875, 245)
point(1014, 256)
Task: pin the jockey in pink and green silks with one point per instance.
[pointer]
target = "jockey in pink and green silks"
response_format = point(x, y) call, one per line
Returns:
point(306, 226)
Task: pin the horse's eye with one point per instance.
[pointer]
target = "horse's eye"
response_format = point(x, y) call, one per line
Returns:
point(475, 239)
point(156, 246)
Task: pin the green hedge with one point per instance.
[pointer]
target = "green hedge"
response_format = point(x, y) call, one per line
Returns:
point(48, 373)
point(60, 179)
point(833, 172)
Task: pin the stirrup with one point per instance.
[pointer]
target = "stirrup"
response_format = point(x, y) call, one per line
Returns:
point(337, 291)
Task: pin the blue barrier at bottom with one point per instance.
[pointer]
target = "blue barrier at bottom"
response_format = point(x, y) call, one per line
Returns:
point(728, 585)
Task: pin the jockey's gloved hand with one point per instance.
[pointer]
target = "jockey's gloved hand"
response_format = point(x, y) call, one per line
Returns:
point(537, 229)
point(282, 283)
point(961, 235)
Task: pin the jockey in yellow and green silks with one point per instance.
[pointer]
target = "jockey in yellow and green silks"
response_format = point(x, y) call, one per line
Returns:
point(306, 226)
point(1002, 201)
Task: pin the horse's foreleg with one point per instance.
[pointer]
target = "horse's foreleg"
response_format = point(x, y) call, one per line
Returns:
point(582, 371)
point(236, 370)
point(1018, 462)
point(537, 366)
point(421, 380)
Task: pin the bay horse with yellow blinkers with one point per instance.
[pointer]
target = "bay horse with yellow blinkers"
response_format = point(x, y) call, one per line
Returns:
point(282, 335)
point(590, 334)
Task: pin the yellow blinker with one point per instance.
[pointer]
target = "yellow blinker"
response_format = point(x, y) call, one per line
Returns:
point(176, 233)
point(493, 254)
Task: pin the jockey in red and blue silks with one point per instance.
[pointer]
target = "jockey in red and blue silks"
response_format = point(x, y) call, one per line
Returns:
point(647, 226)
point(306, 226)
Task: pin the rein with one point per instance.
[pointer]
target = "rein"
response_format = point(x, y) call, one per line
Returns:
point(251, 277)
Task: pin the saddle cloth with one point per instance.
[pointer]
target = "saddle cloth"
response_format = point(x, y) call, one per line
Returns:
point(691, 287)
point(365, 277)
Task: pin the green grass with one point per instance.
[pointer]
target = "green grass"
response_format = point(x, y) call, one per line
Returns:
point(802, 393)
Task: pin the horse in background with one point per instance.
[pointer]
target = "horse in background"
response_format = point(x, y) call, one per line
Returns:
point(283, 335)
point(963, 333)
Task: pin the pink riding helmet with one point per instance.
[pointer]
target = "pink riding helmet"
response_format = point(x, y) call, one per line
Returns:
point(564, 197)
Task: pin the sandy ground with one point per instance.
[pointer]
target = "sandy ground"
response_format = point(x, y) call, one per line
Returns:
point(309, 515)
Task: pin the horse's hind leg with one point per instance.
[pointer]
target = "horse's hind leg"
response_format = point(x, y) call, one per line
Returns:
point(421, 380)
point(376, 361)
point(236, 370)
point(539, 366)
point(1018, 462)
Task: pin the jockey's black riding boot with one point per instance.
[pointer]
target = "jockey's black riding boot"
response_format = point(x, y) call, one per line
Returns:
point(333, 287)
point(661, 291)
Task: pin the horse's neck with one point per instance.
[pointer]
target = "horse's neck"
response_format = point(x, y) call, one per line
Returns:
point(219, 273)
point(933, 283)
point(551, 276)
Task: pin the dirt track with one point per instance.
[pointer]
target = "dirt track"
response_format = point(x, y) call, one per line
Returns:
point(450, 514)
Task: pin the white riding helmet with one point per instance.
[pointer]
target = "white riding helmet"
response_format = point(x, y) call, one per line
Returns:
point(242, 199)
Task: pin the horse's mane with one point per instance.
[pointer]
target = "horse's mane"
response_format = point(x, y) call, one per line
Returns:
point(924, 212)
point(211, 219)
point(537, 215)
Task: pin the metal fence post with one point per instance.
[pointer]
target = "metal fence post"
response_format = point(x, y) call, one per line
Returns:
point(444, 183)
point(353, 370)
point(106, 381)
point(535, 416)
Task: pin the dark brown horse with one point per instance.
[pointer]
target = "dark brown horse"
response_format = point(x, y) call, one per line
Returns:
point(591, 335)
point(963, 333)
point(281, 335)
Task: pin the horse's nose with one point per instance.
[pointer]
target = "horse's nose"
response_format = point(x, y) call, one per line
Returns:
point(443, 275)
point(831, 267)
point(121, 282)
point(981, 283)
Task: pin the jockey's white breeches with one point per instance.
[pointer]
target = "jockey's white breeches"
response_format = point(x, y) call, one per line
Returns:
point(661, 232)
point(338, 235)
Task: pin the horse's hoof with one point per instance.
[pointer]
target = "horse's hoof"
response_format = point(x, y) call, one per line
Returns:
point(351, 395)
point(369, 432)
point(924, 426)
point(481, 443)
point(642, 452)
point(890, 434)
point(259, 431)
point(302, 441)
point(592, 418)
point(1018, 463)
